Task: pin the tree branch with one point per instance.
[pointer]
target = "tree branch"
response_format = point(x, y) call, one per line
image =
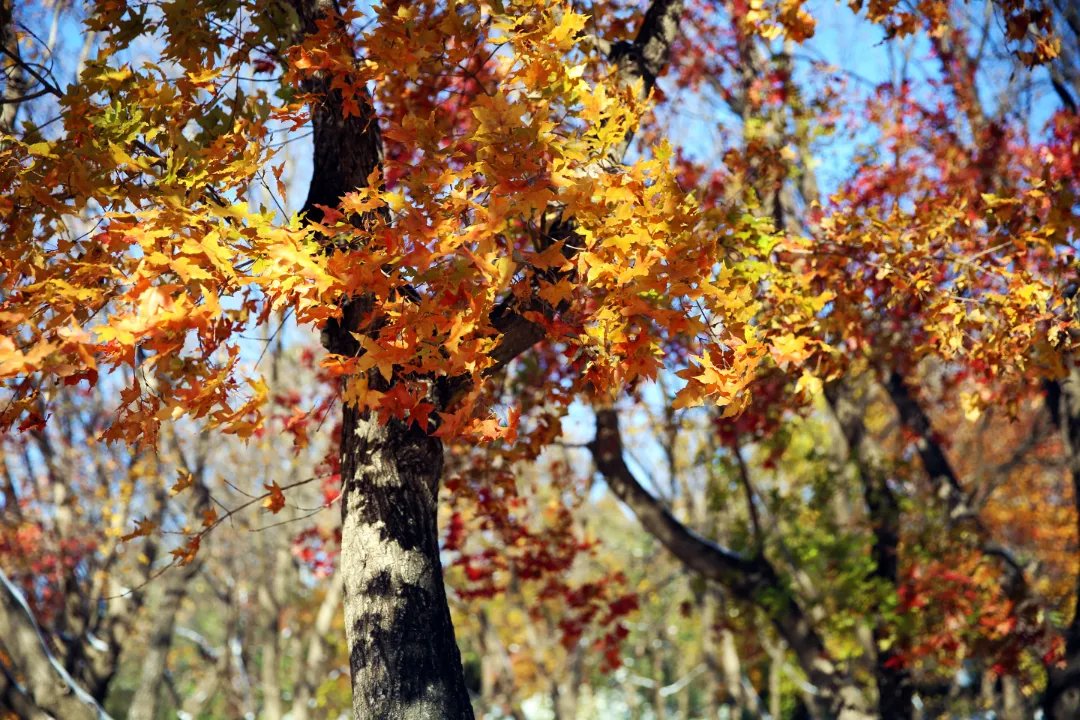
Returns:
point(751, 495)
point(698, 553)
point(752, 580)
point(933, 458)
point(643, 60)
point(945, 479)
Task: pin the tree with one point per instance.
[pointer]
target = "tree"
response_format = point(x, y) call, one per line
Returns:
point(896, 320)
point(475, 214)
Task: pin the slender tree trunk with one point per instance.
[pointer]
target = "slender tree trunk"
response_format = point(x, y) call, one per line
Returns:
point(848, 401)
point(1061, 699)
point(15, 87)
point(1012, 699)
point(711, 700)
point(895, 691)
point(271, 598)
point(776, 669)
point(315, 657)
point(684, 704)
point(656, 655)
point(729, 662)
point(146, 701)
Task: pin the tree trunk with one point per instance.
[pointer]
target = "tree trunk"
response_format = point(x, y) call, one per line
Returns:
point(656, 655)
point(315, 657)
point(404, 659)
point(15, 87)
point(1012, 699)
point(1061, 699)
point(732, 669)
point(146, 701)
point(776, 668)
point(712, 695)
point(848, 400)
point(271, 598)
point(45, 683)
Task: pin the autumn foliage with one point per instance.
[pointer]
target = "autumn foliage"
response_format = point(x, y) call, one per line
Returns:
point(820, 330)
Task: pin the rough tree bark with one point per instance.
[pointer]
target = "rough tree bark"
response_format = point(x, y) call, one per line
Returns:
point(404, 660)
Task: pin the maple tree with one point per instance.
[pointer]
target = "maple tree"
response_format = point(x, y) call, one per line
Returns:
point(496, 226)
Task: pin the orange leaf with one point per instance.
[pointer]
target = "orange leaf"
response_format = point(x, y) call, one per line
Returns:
point(143, 528)
point(187, 552)
point(182, 483)
point(276, 499)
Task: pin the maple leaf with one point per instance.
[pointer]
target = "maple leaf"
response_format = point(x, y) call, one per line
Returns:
point(275, 499)
point(186, 553)
point(358, 394)
point(400, 402)
point(788, 349)
point(183, 482)
point(143, 528)
point(493, 130)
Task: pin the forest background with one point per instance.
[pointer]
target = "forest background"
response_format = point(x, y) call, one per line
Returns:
point(745, 331)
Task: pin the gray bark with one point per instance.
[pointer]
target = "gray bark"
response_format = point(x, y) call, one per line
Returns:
point(15, 85)
point(404, 661)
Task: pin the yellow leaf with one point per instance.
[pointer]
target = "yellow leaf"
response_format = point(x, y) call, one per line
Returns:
point(789, 349)
point(357, 393)
point(810, 383)
point(41, 149)
point(971, 406)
